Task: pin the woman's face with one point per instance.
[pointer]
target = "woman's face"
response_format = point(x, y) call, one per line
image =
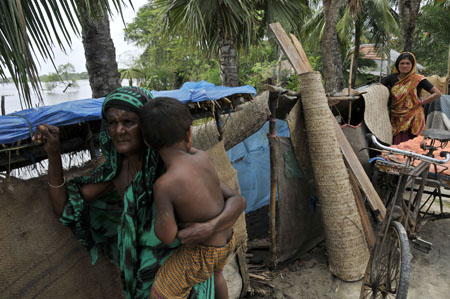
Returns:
point(405, 66)
point(124, 130)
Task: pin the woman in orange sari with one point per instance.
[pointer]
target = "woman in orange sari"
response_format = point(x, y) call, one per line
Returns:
point(407, 114)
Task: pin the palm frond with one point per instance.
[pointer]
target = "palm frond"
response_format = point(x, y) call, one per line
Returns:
point(31, 28)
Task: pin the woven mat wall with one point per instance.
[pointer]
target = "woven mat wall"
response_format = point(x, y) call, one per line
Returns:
point(39, 257)
point(228, 174)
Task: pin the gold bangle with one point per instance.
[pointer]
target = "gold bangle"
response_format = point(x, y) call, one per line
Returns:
point(59, 186)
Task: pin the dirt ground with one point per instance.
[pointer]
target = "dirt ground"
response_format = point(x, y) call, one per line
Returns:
point(309, 277)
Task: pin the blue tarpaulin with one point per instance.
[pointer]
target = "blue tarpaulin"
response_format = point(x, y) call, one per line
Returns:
point(20, 125)
point(203, 91)
point(251, 159)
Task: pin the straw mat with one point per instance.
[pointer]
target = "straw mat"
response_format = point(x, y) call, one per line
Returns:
point(376, 114)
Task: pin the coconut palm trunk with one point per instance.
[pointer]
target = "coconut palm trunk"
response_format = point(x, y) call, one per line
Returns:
point(228, 61)
point(408, 11)
point(100, 55)
point(332, 62)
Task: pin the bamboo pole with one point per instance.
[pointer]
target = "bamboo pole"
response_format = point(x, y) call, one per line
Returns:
point(447, 91)
point(3, 105)
point(273, 177)
point(350, 88)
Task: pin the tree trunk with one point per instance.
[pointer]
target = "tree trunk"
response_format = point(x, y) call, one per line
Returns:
point(100, 55)
point(227, 58)
point(331, 59)
point(354, 70)
point(408, 11)
point(228, 62)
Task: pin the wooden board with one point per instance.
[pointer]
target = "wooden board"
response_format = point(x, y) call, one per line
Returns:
point(364, 183)
point(365, 221)
point(301, 53)
point(288, 49)
point(356, 137)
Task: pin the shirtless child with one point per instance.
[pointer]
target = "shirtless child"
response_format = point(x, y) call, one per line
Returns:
point(189, 191)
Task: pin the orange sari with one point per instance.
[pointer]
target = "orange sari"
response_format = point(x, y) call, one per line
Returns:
point(406, 110)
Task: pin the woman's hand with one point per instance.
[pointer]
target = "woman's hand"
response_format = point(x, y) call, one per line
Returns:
point(434, 95)
point(49, 136)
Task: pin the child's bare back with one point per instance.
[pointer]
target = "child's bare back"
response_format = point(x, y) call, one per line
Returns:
point(193, 188)
point(189, 192)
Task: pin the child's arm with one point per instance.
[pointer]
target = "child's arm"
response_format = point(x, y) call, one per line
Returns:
point(165, 224)
point(235, 204)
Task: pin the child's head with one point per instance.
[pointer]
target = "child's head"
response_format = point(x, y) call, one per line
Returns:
point(164, 122)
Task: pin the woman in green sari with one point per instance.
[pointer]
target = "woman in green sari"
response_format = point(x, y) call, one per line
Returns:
point(112, 211)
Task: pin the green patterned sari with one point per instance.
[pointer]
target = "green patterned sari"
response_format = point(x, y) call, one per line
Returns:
point(124, 230)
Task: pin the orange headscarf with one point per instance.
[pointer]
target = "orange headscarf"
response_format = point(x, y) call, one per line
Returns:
point(406, 110)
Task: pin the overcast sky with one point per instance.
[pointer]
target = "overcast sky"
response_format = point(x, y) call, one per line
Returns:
point(124, 51)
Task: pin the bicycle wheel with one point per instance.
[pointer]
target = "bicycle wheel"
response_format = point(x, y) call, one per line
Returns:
point(387, 274)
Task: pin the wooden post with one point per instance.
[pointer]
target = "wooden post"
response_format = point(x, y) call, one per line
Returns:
point(447, 91)
point(218, 122)
point(3, 105)
point(350, 74)
point(243, 269)
point(350, 89)
point(273, 177)
point(90, 141)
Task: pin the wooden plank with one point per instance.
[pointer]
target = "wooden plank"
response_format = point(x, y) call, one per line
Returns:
point(288, 49)
point(365, 221)
point(364, 183)
point(301, 53)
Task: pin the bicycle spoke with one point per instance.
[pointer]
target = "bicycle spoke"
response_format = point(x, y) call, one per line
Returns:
point(385, 274)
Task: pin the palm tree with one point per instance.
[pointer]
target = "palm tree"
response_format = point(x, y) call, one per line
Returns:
point(408, 12)
point(30, 28)
point(101, 66)
point(331, 58)
point(222, 27)
point(374, 19)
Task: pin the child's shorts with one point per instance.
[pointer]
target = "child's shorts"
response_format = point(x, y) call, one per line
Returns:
point(187, 266)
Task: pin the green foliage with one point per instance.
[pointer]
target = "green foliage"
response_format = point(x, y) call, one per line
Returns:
point(167, 62)
point(258, 64)
point(132, 74)
point(433, 38)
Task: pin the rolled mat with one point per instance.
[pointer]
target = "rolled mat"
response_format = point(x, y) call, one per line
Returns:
point(344, 237)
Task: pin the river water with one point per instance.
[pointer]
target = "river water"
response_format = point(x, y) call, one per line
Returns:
point(50, 97)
